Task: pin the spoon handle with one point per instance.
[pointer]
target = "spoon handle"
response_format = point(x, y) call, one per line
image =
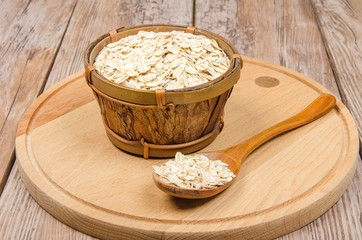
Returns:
point(318, 108)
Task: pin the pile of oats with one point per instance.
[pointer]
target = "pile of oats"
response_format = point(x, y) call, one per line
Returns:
point(194, 172)
point(169, 60)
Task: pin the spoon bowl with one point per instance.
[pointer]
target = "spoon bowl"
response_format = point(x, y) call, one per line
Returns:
point(236, 155)
point(199, 193)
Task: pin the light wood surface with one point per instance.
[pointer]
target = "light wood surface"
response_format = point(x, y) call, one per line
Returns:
point(234, 156)
point(296, 34)
point(104, 192)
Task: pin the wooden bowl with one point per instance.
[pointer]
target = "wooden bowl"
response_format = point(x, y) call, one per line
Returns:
point(162, 122)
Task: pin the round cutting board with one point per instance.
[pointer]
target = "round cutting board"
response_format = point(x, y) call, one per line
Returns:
point(73, 171)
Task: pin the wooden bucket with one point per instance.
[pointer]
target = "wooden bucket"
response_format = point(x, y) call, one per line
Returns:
point(162, 122)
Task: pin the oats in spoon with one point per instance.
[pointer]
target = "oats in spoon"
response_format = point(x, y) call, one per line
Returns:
point(194, 172)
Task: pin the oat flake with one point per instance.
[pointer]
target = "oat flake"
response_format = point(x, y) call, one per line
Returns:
point(194, 172)
point(169, 60)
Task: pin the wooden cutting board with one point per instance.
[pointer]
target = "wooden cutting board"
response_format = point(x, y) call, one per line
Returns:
point(72, 170)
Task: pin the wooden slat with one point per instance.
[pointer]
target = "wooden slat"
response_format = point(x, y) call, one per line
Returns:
point(31, 33)
point(20, 216)
point(286, 33)
point(95, 18)
point(281, 32)
point(340, 24)
point(258, 22)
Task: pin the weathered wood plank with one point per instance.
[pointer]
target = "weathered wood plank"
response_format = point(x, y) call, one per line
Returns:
point(24, 219)
point(281, 32)
point(20, 216)
point(340, 24)
point(94, 18)
point(30, 36)
point(286, 33)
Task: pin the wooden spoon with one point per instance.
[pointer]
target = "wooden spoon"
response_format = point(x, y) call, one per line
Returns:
point(236, 155)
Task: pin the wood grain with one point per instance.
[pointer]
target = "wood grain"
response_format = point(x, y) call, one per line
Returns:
point(283, 32)
point(22, 218)
point(236, 155)
point(175, 124)
point(340, 24)
point(295, 184)
point(25, 59)
point(286, 33)
point(266, 29)
point(94, 18)
point(74, 82)
point(47, 51)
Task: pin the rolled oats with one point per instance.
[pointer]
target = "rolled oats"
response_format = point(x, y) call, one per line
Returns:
point(194, 172)
point(169, 60)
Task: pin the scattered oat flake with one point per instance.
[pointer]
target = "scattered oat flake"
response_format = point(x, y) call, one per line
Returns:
point(191, 59)
point(194, 172)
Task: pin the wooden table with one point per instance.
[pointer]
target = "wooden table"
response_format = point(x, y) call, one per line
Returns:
point(42, 42)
